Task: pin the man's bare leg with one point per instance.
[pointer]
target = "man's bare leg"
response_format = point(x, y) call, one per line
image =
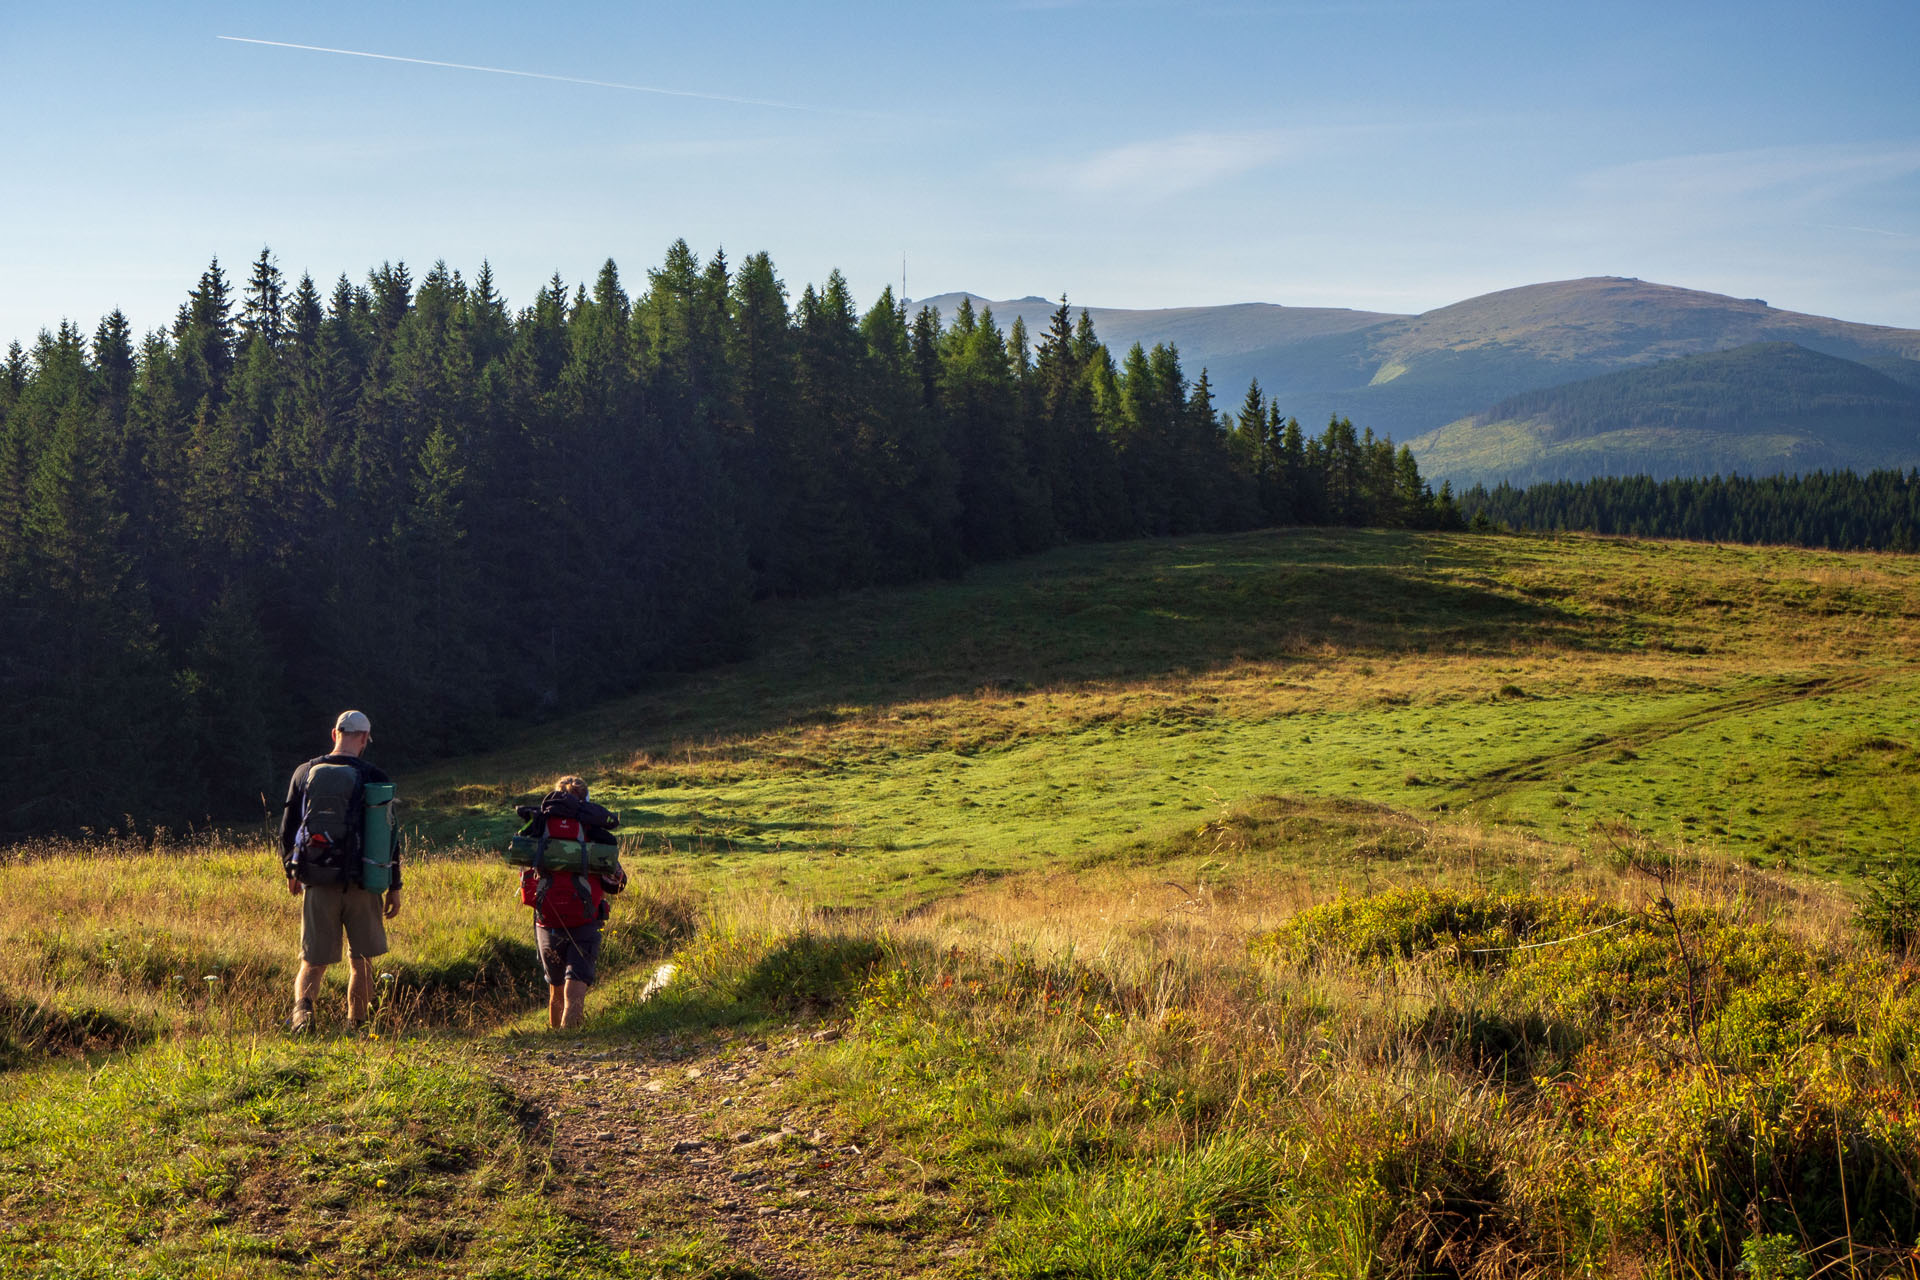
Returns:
point(556, 1006)
point(359, 989)
point(306, 985)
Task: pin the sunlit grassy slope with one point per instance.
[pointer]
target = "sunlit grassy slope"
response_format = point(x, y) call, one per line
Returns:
point(885, 745)
point(1333, 939)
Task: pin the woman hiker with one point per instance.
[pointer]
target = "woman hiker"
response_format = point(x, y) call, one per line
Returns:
point(569, 907)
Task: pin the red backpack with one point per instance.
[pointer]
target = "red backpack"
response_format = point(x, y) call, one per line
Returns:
point(562, 899)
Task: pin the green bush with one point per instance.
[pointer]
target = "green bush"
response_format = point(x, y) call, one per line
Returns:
point(1890, 912)
point(810, 971)
point(1403, 923)
point(1772, 1257)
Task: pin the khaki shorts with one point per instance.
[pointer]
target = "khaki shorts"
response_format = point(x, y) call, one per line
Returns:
point(327, 909)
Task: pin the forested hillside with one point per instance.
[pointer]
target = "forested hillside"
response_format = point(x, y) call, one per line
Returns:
point(1765, 408)
point(412, 498)
point(1840, 511)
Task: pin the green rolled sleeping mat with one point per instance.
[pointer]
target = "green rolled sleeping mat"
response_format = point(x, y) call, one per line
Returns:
point(376, 838)
point(564, 855)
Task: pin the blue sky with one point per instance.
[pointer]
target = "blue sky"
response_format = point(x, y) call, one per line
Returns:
point(1385, 154)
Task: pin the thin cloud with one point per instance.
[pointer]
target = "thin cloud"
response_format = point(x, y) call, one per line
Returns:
point(541, 75)
point(1801, 173)
point(1169, 166)
point(1872, 231)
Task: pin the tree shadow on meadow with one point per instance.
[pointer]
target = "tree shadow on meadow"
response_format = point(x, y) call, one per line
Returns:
point(1079, 615)
point(1110, 614)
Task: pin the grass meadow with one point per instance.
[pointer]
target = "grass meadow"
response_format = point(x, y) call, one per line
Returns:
point(885, 746)
point(1288, 904)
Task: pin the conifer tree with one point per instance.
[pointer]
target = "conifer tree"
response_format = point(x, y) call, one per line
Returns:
point(1000, 511)
point(94, 695)
point(16, 475)
point(113, 367)
point(830, 543)
point(13, 378)
point(262, 306)
point(304, 313)
point(203, 334)
point(909, 497)
point(1412, 499)
point(1151, 398)
point(766, 460)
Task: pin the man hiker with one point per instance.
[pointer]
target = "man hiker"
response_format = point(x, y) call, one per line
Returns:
point(320, 837)
point(569, 907)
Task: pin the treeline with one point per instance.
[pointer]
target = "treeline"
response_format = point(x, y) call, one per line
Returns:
point(1837, 510)
point(413, 499)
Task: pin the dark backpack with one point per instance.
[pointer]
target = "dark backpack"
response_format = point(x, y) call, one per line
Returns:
point(326, 851)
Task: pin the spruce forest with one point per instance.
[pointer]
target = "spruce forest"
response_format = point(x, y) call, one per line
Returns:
point(413, 496)
point(1836, 510)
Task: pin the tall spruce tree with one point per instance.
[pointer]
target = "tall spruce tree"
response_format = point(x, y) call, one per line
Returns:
point(263, 304)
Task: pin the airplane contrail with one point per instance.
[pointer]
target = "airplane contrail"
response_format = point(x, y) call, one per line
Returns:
point(540, 75)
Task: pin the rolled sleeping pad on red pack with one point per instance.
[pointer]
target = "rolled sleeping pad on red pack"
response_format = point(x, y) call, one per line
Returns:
point(562, 855)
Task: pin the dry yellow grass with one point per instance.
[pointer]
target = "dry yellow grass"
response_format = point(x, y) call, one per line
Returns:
point(204, 937)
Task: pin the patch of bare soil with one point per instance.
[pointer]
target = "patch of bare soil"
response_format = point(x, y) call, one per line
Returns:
point(659, 1143)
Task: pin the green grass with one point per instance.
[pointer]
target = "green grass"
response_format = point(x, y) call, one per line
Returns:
point(1384, 1086)
point(231, 1156)
point(1151, 886)
point(224, 1156)
point(886, 746)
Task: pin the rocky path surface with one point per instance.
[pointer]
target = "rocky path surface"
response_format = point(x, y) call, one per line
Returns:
point(671, 1143)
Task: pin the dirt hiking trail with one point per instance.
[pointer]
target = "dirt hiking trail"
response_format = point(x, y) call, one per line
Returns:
point(663, 1140)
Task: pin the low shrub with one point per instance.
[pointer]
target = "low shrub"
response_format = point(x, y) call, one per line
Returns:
point(1889, 914)
point(1422, 1084)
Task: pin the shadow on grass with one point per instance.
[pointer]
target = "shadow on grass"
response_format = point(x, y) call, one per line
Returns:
point(1137, 611)
point(1116, 612)
point(713, 835)
point(497, 977)
point(1519, 1050)
point(30, 1030)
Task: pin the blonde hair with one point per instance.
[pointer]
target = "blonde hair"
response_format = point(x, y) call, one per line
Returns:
point(570, 783)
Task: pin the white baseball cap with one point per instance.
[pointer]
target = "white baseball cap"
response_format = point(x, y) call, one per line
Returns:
point(353, 722)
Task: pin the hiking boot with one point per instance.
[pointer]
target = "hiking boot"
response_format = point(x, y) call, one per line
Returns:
point(301, 1024)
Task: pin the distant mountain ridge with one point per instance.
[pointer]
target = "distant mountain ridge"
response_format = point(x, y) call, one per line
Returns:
point(1411, 376)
